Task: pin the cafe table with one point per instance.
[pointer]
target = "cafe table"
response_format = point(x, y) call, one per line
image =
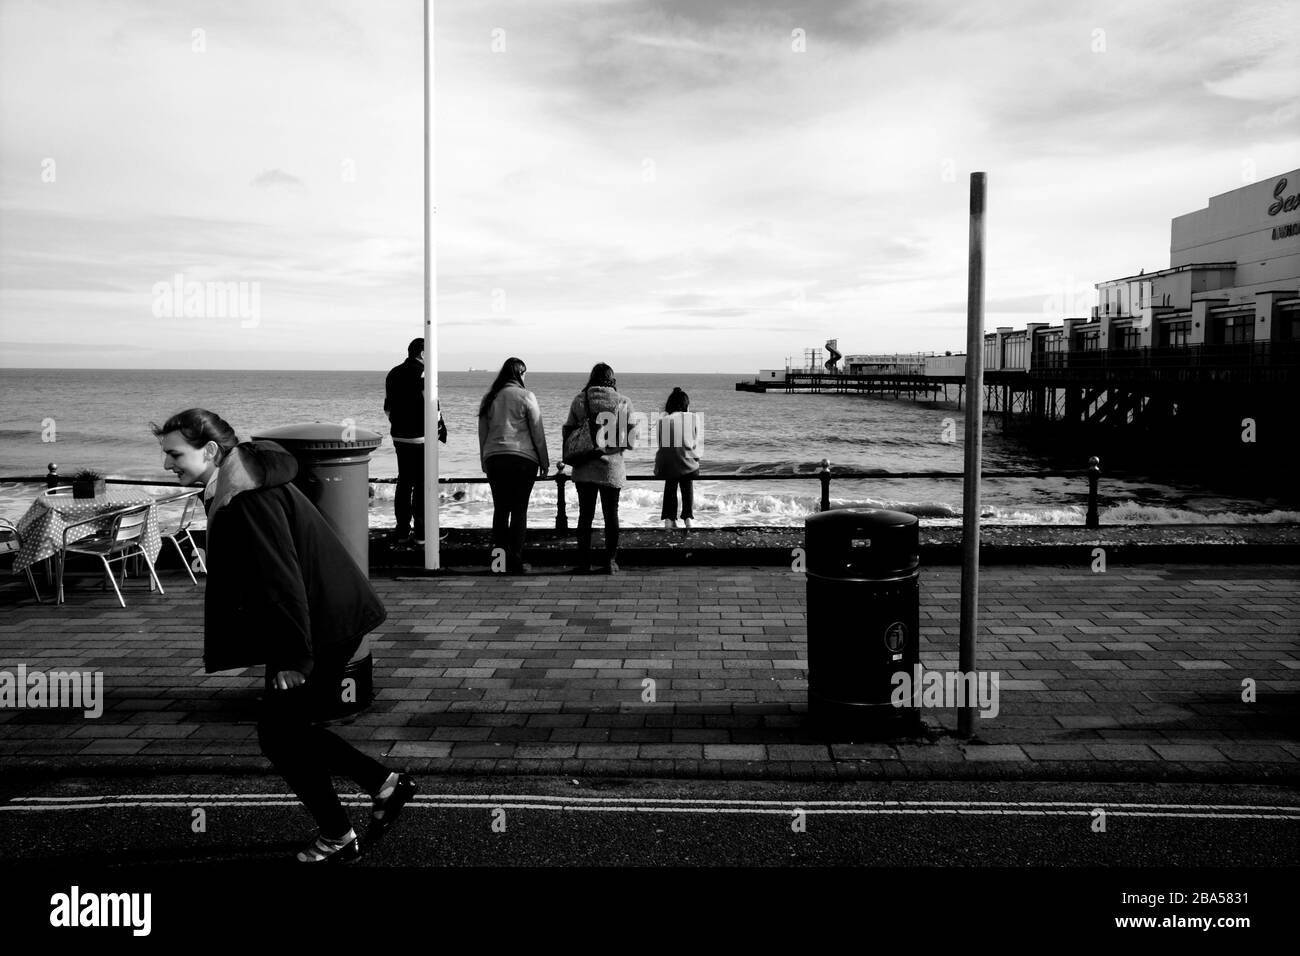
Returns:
point(43, 523)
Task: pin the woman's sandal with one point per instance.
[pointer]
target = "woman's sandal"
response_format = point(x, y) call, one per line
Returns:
point(331, 851)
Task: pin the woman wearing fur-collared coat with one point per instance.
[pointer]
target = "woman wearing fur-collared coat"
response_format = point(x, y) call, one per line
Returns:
point(284, 591)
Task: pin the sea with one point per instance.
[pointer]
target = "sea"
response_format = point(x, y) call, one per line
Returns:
point(93, 418)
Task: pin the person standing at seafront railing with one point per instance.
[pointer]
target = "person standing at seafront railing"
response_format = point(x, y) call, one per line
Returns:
point(283, 591)
point(604, 475)
point(512, 451)
point(677, 461)
point(404, 406)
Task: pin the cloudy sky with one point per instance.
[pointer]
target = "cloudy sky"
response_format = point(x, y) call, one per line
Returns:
point(667, 186)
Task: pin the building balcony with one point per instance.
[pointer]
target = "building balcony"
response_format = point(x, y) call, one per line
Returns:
point(1249, 361)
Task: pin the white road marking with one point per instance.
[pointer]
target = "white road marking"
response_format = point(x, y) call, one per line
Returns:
point(576, 804)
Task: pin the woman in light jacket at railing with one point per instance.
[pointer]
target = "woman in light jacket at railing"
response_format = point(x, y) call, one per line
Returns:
point(512, 450)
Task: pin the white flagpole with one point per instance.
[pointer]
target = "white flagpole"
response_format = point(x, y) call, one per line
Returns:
point(968, 640)
point(431, 550)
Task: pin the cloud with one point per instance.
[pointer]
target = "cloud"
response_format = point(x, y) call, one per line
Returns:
point(716, 313)
point(494, 321)
point(277, 179)
point(823, 190)
point(1269, 84)
point(1284, 116)
point(1020, 303)
point(67, 348)
point(679, 327)
point(684, 44)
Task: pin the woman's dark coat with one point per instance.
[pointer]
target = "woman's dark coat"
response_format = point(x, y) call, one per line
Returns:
point(282, 589)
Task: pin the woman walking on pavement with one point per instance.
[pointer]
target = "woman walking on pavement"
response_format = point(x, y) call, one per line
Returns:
point(512, 450)
point(677, 461)
point(605, 475)
point(283, 591)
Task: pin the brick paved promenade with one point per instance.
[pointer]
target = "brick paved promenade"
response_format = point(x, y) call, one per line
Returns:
point(1135, 673)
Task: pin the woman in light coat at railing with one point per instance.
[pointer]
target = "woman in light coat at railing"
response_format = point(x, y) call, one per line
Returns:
point(512, 451)
point(605, 476)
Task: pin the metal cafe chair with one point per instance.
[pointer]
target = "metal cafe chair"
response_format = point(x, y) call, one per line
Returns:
point(119, 542)
point(181, 529)
point(11, 542)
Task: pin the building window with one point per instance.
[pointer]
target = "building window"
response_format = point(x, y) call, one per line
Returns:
point(1238, 329)
point(1128, 339)
point(1175, 334)
point(1288, 327)
point(1088, 340)
point(1013, 352)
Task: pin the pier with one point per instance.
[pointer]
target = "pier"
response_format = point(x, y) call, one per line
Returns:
point(1084, 386)
point(913, 385)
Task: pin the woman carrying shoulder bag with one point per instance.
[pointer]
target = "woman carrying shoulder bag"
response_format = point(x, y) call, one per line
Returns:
point(599, 406)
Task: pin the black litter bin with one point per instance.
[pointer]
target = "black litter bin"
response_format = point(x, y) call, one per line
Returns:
point(334, 474)
point(863, 593)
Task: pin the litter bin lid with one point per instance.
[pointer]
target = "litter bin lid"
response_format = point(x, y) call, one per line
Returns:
point(862, 543)
point(322, 436)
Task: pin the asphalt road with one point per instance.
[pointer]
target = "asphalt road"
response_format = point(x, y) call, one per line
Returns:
point(554, 862)
point(133, 821)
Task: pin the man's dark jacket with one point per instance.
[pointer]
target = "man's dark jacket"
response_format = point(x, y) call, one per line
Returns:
point(282, 588)
point(404, 399)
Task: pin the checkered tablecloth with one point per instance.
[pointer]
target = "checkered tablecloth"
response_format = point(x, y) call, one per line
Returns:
point(43, 524)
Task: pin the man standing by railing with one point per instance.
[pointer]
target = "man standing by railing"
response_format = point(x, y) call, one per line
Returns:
point(404, 405)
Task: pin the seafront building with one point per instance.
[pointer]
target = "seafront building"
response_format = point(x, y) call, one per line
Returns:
point(1233, 280)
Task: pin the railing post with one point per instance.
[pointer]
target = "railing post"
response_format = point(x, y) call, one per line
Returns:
point(52, 475)
point(1094, 472)
point(825, 476)
point(561, 516)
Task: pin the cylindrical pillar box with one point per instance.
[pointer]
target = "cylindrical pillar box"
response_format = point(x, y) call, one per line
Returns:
point(334, 474)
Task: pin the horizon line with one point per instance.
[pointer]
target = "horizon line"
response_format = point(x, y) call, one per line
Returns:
point(88, 368)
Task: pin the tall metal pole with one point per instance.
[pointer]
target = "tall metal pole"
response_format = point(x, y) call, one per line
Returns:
point(431, 555)
point(970, 539)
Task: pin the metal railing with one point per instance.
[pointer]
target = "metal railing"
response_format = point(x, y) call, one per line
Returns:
point(1243, 356)
point(823, 475)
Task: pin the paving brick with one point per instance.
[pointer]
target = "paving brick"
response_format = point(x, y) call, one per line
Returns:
point(116, 746)
point(1187, 752)
point(546, 751)
point(1124, 671)
point(1041, 752)
point(735, 752)
point(1251, 753)
point(864, 752)
point(1122, 752)
point(798, 752)
point(1000, 752)
point(410, 748)
point(671, 751)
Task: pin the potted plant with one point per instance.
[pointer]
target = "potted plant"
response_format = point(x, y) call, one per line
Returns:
point(87, 483)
